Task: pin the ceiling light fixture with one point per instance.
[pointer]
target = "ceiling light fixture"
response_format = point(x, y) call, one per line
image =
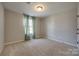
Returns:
point(39, 7)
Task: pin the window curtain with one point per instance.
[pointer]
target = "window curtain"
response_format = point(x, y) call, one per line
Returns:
point(29, 27)
point(33, 18)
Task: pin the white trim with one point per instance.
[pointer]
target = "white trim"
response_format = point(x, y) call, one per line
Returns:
point(46, 38)
point(64, 42)
point(13, 42)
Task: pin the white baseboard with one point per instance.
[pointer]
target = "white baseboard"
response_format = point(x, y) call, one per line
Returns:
point(46, 38)
point(64, 42)
point(13, 42)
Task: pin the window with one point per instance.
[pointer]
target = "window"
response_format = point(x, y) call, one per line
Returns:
point(31, 25)
point(24, 23)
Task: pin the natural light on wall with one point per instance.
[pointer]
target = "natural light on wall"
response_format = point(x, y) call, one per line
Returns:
point(39, 7)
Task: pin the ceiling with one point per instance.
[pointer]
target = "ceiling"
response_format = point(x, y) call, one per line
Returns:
point(27, 8)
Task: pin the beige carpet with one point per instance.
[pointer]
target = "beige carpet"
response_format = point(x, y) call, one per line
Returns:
point(38, 47)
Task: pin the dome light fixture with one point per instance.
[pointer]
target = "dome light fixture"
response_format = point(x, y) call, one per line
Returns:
point(39, 7)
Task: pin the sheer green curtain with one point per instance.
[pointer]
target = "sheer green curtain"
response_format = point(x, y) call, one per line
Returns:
point(29, 26)
point(26, 27)
point(33, 19)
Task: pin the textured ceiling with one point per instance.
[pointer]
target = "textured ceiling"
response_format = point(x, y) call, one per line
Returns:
point(27, 8)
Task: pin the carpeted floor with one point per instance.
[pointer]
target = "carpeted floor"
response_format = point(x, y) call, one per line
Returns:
point(38, 47)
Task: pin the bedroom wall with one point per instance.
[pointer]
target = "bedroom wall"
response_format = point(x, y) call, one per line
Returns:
point(39, 28)
point(42, 27)
point(1, 27)
point(14, 31)
point(62, 27)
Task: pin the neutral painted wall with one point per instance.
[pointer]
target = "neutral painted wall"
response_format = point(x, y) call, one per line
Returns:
point(42, 28)
point(1, 27)
point(14, 30)
point(39, 27)
point(62, 27)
